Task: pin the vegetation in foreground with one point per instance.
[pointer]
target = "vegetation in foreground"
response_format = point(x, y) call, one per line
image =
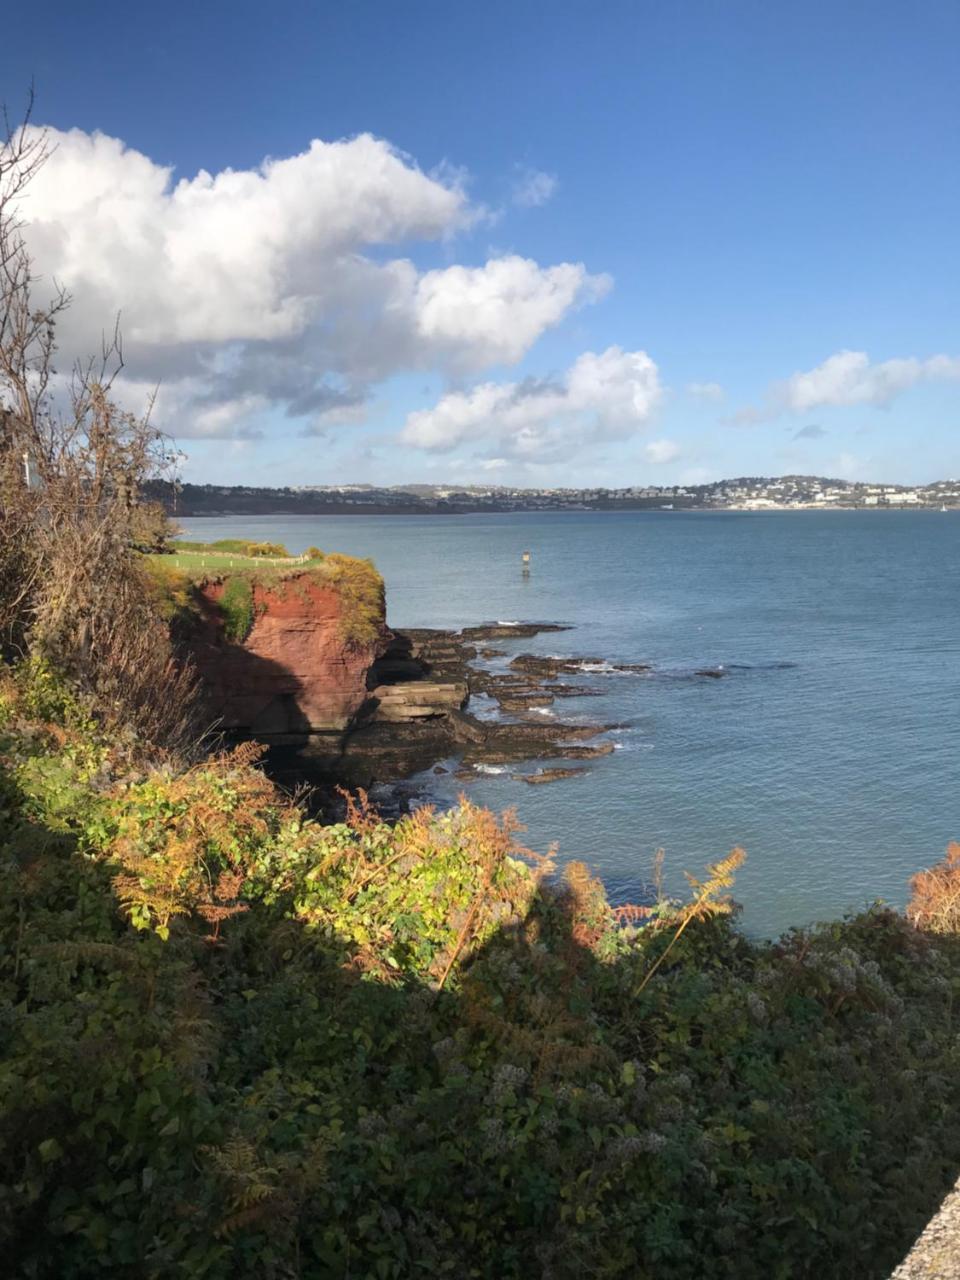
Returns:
point(75, 516)
point(237, 1042)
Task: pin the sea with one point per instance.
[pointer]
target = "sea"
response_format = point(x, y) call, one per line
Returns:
point(829, 749)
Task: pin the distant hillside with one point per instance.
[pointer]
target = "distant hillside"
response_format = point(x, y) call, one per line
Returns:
point(219, 500)
point(425, 499)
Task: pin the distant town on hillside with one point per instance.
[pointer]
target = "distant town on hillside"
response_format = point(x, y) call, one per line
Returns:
point(746, 493)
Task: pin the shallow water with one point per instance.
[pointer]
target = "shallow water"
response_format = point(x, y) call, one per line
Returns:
point(829, 751)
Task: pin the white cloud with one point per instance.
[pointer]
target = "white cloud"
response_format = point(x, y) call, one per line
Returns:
point(710, 391)
point(254, 290)
point(494, 314)
point(533, 187)
point(660, 451)
point(222, 419)
point(849, 378)
point(612, 394)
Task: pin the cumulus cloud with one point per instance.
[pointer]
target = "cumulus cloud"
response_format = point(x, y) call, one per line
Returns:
point(608, 395)
point(849, 378)
point(660, 451)
point(494, 314)
point(812, 432)
point(252, 290)
point(709, 391)
point(533, 187)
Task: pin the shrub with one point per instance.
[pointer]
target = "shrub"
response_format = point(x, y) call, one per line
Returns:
point(237, 547)
point(236, 606)
point(187, 844)
point(276, 549)
point(234, 546)
point(360, 588)
point(74, 470)
point(314, 553)
point(170, 589)
point(935, 903)
point(378, 1050)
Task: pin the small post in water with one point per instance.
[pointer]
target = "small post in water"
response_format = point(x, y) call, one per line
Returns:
point(525, 562)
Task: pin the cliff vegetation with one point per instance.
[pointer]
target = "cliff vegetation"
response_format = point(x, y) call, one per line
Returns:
point(179, 574)
point(240, 1042)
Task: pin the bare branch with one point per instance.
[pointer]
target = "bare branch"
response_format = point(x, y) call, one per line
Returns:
point(73, 466)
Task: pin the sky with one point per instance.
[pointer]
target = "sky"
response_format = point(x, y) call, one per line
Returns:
point(510, 243)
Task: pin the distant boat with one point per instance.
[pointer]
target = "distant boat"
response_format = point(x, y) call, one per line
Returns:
point(943, 506)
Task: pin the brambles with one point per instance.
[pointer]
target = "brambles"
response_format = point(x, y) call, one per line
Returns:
point(364, 1049)
point(418, 897)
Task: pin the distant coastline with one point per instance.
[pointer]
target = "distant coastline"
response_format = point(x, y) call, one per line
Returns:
point(750, 494)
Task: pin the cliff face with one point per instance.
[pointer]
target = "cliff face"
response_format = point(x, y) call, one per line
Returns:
point(295, 672)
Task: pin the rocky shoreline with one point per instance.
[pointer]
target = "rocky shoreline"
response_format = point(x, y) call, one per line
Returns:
point(416, 716)
point(456, 702)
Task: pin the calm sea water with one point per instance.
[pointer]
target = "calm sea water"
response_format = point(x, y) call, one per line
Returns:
point(829, 752)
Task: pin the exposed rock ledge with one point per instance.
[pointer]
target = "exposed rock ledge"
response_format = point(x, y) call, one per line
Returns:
point(359, 715)
point(416, 714)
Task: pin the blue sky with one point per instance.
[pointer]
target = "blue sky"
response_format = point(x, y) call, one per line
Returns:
point(626, 243)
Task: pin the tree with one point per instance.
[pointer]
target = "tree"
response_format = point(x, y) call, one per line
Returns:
point(72, 469)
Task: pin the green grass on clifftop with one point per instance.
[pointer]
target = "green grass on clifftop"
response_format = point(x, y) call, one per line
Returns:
point(177, 574)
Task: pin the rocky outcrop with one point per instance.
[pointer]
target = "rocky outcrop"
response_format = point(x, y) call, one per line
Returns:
point(548, 775)
point(417, 700)
point(295, 672)
point(549, 668)
point(336, 712)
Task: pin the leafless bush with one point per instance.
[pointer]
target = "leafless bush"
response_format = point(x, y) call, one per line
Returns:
point(72, 468)
point(935, 904)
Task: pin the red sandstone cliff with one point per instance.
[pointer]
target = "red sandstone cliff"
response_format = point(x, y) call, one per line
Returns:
point(295, 672)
